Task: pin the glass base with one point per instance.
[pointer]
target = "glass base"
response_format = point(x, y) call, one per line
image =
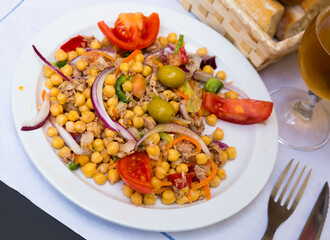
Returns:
point(295, 131)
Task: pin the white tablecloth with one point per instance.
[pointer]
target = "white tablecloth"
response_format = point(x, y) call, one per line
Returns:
point(20, 21)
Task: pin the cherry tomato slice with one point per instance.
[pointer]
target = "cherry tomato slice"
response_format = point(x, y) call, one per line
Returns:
point(135, 171)
point(241, 111)
point(132, 30)
point(177, 180)
point(74, 43)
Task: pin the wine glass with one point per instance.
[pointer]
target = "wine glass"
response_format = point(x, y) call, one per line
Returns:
point(303, 121)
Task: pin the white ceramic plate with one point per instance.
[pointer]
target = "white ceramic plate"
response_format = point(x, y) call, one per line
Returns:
point(256, 144)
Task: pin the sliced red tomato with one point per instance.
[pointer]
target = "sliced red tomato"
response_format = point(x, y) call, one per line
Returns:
point(241, 111)
point(135, 171)
point(180, 182)
point(74, 43)
point(132, 30)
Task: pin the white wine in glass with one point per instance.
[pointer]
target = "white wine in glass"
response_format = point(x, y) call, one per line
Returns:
point(303, 121)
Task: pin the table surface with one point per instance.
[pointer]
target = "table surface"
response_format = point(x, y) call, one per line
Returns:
point(20, 21)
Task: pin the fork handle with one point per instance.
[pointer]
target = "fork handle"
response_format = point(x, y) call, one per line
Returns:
point(269, 234)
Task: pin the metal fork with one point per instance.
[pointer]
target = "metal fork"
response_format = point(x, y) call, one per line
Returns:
point(278, 213)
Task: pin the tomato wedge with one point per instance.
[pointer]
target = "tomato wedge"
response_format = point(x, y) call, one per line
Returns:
point(132, 30)
point(241, 111)
point(74, 43)
point(135, 171)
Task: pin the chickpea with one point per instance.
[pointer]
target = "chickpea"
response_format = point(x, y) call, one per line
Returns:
point(109, 91)
point(221, 74)
point(215, 181)
point(80, 50)
point(82, 159)
point(93, 71)
point(149, 199)
point(100, 178)
point(211, 120)
point(175, 106)
point(56, 79)
point(127, 190)
point(163, 41)
point(156, 183)
point(48, 71)
point(146, 70)
point(165, 165)
point(64, 151)
point(72, 55)
point(83, 108)
point(136, 198)
point(95, 44)
point(81, 64)
point(182, 167)
point(172, 37)
point(127, 86)
point(201, 158)
point(56, 109)
point(105, 42)
point(231, 94)
point(208, 69)
point(145, 108)
point(224, 156)
point(201, 51)
point(89, 169)
point(54, 91)
point(139, 58)
point(131, 62)
point(138, 111)
point(221, 173)
point(182, 200)
point(112, 148)
point(160, 172)
point(67, 70)
point(207, 140)
point(61, 119)
point(195, 193)
point(87, 117)
point(61, 98)
point(231, 152)
point(153, 150)
point(103, 168)
point(168, 197)
point(173, 155)
point(48, 83)
point(110, 79)
point(137, 66)
point(124, 67)
point(52, 132)
point(57, 142)
point(218, 134)
point(79, 99)
point(168, 94)
point(138, 122)
point(153, 139)
point(90, 81)
point(109, 133)
point(113, 176)
point(171, 171)
point(96, 157)
point(60, 55)
point(87, 92)
point(73, 115)
point(89, 103)
point(112, 101)
point(80, 126)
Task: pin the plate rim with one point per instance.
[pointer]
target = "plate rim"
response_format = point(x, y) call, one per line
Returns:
point(141, 210)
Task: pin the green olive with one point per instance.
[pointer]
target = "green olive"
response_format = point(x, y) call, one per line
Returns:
point(171, 76)
point(161, 110)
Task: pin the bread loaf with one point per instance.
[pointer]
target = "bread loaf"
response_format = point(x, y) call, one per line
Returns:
point(266, 13)
point(296, 18)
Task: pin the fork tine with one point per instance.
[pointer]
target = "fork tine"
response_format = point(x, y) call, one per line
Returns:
point(288, 183)
point(280, 179)
point(301, 191)
point(294, 187)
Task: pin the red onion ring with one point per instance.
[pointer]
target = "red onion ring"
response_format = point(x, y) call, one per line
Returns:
point(49, 64)
point(68, 139)
point(40, 119)
point(177, 128)
point(221, 145)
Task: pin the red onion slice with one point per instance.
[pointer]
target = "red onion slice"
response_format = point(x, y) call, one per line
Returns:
point(125, 133)
point(49, 64)
point(40, 119)
point(184, 112)
point(96, 96)
point(222, 145)
point(176, 128)
point(203, 77)
point(68, 139)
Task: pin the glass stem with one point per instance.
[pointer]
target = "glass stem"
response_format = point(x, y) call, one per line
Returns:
point(305, 106)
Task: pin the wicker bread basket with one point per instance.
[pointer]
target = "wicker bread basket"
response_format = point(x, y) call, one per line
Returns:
point(226, 17)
